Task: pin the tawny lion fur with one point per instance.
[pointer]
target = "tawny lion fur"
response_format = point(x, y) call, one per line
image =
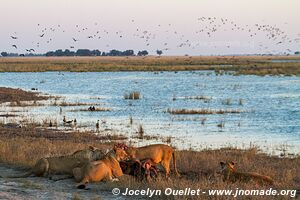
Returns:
point(157, 153)
point(231, 174)
point(105, 169)
point(62, 164)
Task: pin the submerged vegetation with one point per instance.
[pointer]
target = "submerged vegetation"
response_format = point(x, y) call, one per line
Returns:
point(256, 65)
point(202, 111)
point(135, 95)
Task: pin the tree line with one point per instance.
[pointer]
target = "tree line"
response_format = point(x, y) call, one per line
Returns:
point(83, 52)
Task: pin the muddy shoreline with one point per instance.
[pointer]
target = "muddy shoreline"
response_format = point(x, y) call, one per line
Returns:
point(17, 95)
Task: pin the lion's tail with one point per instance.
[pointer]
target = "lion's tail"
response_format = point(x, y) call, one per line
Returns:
point(27, 174)
point(174, 163)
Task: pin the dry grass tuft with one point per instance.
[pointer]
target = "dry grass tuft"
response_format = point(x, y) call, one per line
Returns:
point(23, 146)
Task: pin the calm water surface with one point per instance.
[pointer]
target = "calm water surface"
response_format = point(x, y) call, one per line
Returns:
point(271, 119)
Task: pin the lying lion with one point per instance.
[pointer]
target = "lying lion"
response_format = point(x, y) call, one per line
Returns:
point(104, 169)
point(230, 174)
point(157, 153)
point(63, 164)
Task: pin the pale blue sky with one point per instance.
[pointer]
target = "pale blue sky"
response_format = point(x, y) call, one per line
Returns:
point(171, 24)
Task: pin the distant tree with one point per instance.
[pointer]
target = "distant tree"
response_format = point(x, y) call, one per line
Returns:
point(67, 52)
point(159, 52)
point(96, 53)
point(128, 53)
point(297, 53)
point(115, 52)
point(13, 55)
point(83, 52)
point(50, 53)
point(59, 52)
point(143, 53)
point(4, 54)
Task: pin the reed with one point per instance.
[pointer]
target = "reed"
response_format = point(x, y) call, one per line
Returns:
point(135, 95)
point(202, 111)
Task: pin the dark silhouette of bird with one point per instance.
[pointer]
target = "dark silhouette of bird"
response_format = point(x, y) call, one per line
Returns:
point(97, 125)
point(14, 37)
point(15, 46)
point(42, 35)
point(67, 122)
point(75, 40)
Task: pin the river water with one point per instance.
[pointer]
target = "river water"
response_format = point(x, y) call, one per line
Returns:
point(269, 105)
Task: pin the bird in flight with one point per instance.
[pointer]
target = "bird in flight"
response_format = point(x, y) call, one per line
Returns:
point(75, 40)
point(13, 37)
point(15, 46)
point(42, 35)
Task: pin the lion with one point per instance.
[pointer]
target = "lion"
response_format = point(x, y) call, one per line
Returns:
point(230, 174)
point(157, 153)
point(62, 164)
point(105, 169)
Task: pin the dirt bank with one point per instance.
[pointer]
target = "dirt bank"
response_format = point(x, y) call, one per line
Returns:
point(17, 95)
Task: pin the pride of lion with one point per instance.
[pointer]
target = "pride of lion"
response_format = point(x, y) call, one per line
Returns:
point(93, 165)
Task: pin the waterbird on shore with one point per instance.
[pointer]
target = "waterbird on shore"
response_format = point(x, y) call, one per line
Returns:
point(97, 125)
point(67, 122)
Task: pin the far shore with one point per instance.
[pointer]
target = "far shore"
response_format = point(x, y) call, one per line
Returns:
point(237, 65)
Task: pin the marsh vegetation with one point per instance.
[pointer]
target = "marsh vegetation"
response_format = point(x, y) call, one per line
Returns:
point(256, 65)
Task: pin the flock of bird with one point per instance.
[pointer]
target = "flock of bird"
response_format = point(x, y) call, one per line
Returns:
point(74, 123)
point(207, 27)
